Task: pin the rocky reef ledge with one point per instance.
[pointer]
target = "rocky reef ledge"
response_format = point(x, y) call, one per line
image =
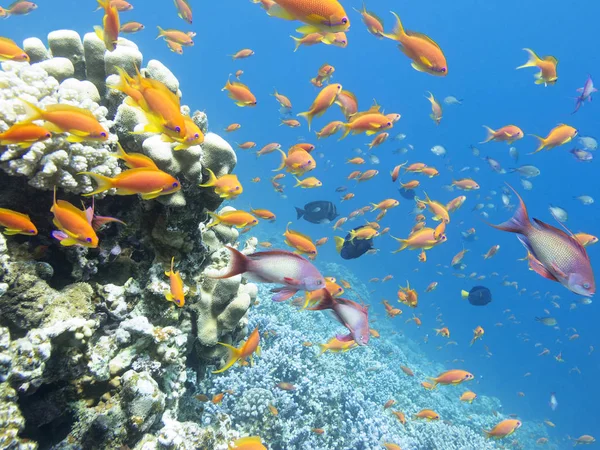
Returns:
point(91, 353)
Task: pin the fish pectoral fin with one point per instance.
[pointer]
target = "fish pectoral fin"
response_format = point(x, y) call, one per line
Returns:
point(426, 62)
point(344, 338)
point(417, 67)
point(277, 11)
point(169, 296)
point(566, 141)
point(292, 281)
point(308, 29)
point(558, 271)
point(151, 195)
point(11, 231)
point(539, 268)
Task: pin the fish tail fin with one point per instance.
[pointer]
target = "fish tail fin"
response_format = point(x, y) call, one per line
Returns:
point(161, 32)
point(339, 243)
point(238, 264)
point(212, 179)
point(297, 42)
point(532, 61)
point(519, 222)
point(322, 348)
point(398, 31)
point(487, 433)
point(234, 356)
point(464, 294)
point(283, 158)
point(99, 32)
point(326, 303)
point(299, 212)
point(433, 382)
point(104, 183)
point(346, 132)
point(308, 116)
point(170, 272)
point(542, 143)
point(490, 134)
point(403, 242)
point(103, 4)
point(33, 112)
point(216, 219)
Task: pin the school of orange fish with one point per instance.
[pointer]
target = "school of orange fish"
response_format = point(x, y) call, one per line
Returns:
point(554, 253)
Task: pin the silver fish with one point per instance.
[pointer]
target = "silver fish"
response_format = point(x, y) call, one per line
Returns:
point(552, 253)
point(582, 155)
point(585, 199)
point(585, 93)
point(400, 137)
point(527, 185)
point(588, 142)
point(558, 213)
point(474, 150)
point(438, 150)
point(494, 165)
point(514, 153)
point(526, 171)
point(374, 159)
point(451, 100)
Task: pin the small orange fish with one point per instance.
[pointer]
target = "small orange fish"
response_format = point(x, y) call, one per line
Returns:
point(365, 176)
point(286, 386)
point(232, 127)
point(503, 429)
point(348, 103)
point(184, 10)
point(16, 223)
point(150, 183)
point(369, 122)
point(109, 32)
point(308, 40)
point(240, 93)
point(242, 353)
point(373, 23)
point(19, 8)
point(330, 129)
point(247, 145)
point(284, 102)
point(180, 37)
point(10, 51)
point(308, 183)
point(466, 184)
point(237, 218)
point(302, 243)
point(318, 430)
point(248, 443)
point(292, 123)
point(176, 294)
point(135, 160)
point(400, 416)
point(378, 140)
point(24, 135)
point(273, 410)
point(217, 398)
point(389, 404)
point(425, 53)
point(226, 186)
point(325, 98)
point(263, 214)
point(427, 414)
point(407, 370)
point(559, 135)
point(131, 27)
point(334, 345)
point(444, 332)
point(436, 109)
point(508, 134)
point(321, 241)
point(547, 65)
point(468, 397)
point(452, 377)
point(241, 54)
point(324, 16)
point(391, 446)
point(413, 184)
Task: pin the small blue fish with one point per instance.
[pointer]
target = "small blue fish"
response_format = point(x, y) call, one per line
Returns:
point(585, 93)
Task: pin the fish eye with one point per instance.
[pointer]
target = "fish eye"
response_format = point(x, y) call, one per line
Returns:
point(32, 231)
point(103, 134)
point(389, 124)
point(344, 20)
point(178, 129)
point(196, 136)
point(48, 135)
point(443, 69)
point(175, 184)
point(89, 240)
point(586, 285)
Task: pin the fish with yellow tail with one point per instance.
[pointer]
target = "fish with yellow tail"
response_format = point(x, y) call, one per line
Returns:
point(503, 429)
point(477, 334)
point(109, 32)
point(452, 377)
point(334, 345)
point(16, 223)
point(425, 53)
point(552, 253)
point(427, 414)
point(424, 239)
point(436, 109)
point(10, 51)
point(247, 443)
point(319, 16)
point(547, 65)
point(149, 183)
point(325, 98)
point(176, 292)
point(560, 135)
point(24, 135)
point(245, 351)
point(226, 186)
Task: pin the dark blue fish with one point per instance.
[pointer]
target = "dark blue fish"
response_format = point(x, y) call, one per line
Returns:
point(352, 249)
point(318, 212)
point(478, 296)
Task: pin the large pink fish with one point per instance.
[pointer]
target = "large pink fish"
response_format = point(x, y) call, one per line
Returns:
point(352, 315)
point(553, 253)
point(278, 266)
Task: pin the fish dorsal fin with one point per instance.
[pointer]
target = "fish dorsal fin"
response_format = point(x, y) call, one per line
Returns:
point(375, 16)
point(65, 205)
point(551, 59)
point(70, 108)
point(18, 214)
point(423, 36)
point(567, 233)
point(7, 40)
point(297, 233)
point(351, 95)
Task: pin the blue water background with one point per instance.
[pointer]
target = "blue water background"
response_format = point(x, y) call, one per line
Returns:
point(483, 43)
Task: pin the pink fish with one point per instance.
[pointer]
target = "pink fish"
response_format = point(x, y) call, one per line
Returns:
point(585, 93)
point(552, 253)
point(353, 316)
point(278, 266)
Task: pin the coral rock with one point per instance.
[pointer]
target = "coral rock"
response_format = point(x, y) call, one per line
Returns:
point(142, 400)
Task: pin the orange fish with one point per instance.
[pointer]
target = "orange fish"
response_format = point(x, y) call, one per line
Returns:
point(263, 214)
point(318, 430)
point(239, 93)
point(232, 127)
point(78, 122)
point(559, 135)
point(416, 320)
point(367, 175)
point(503, 429)
point(308, 183)
point(369, 122)
point(413, 184)
point(24, 135)
point(373, 23)
point(391, 446)
point(10, 51)
point(395, 173)
point(308, 40)
point(400, 416)
point(226, 186)
point(16, 223)
point(389, 404)
point(217, 398)
point(330, 129)
point(109, 33)
point(348, 103)
point(586, 239)
point(131, 27)
point(426, 54)
point(174, 47)
point(325, 98)
point(422, 239)
point(427, 414)
point(302, 243)
point(184, 10)
point(468, 397)
point(180, 37)
point(175, 294)
point(378, 140)
point(455, 203)
point(321, 241)
point(356, 160)
point(150, 183)
point(508, 134)
point(436, 109)
point(452, 377)
point(247, 145)
point(241, 54)
point(297, 161)
point(465, 184)
point(320, 16)
point(135, 160)
point(269, 148)
point(283, 385)
point(444, 332)
point(386, 204)
point(248, 443)
point(407, 370)
point(284, 102)
point(243, 352)
point(292, 123)
point(237, 218)
point(334, 345)
point(547, 65)
point(428, 386)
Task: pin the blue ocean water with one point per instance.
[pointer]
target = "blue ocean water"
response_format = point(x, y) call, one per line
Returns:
point(483, 44)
